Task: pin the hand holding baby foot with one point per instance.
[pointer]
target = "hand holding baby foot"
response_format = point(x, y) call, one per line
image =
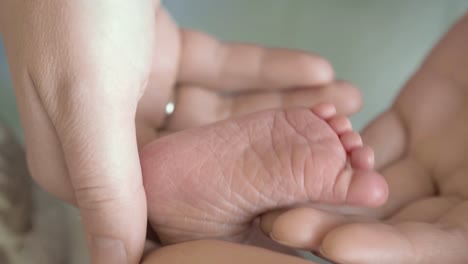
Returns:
point(92, 78)
point(213, 181)
point(238, 79)
point(422, 151)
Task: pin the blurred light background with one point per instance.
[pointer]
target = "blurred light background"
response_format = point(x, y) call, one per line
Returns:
point(375, 44)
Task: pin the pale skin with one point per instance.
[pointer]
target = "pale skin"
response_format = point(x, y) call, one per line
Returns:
point(215, 252)
point(421, 149)
point(418, 225)
point(93, 76)
point(94, 114)
point(213, 181)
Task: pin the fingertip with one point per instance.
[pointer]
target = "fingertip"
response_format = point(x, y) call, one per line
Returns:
point(293, 229)
point(351, 101)
point(312, 69)
point(340, 244)
point(268, 219)
point(116, 229)
point(108, 250)
point(364, 243)
point(323, 70)
point(304, 228)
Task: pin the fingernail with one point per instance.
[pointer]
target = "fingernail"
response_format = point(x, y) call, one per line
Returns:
point(107, 250)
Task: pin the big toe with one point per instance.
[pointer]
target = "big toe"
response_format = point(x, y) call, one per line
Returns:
point(367, 188)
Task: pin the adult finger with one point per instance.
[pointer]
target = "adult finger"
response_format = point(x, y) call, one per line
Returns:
point(196, 106)
point(405, 243)
point(71, 72)
point(344, 96)
point(387, 135)
point(424, 237)
point(304, 228)
point(210, 63)
point(102, 157)
point(209, 251)
point(429, 231)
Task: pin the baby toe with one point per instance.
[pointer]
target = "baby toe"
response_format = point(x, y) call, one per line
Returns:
point(362, 158)
point(351, 140)
point(340, 124)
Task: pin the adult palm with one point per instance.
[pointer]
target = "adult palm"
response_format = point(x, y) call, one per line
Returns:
point(421, 148)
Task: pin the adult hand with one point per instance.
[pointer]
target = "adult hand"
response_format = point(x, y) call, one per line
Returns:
point(216, 80)
point(80, 69)
point(212, 81)
point(421, 148)
point(214, 252)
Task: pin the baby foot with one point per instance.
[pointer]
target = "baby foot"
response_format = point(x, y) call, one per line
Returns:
point(213, 181)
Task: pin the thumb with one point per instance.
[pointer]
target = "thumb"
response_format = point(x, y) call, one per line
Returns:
point(102, 156)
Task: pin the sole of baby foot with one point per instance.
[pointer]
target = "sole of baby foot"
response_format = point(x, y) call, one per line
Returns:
point(366, 187)
point(212, 181)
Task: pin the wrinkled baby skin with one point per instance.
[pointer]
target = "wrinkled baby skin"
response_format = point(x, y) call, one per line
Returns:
point(213, 181)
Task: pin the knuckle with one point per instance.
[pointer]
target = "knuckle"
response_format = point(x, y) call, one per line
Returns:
point(96, 197)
